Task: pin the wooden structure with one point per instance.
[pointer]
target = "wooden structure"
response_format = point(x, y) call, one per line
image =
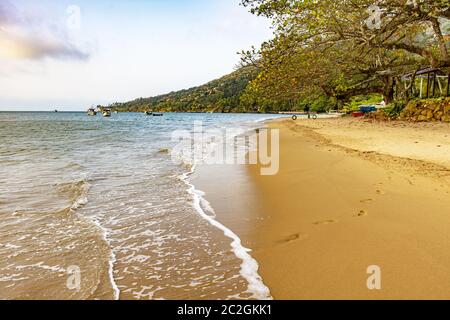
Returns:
point(433, 77)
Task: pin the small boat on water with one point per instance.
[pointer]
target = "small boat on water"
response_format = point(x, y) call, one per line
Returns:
point(91, 112)
point(158, 114)
point(148, 113)
point(106, 113)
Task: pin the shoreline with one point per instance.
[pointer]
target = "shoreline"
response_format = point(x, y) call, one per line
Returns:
point(333, 211)
point(249, 266)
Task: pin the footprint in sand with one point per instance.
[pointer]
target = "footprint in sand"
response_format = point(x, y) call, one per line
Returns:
point(319, 223)
point(294, 237)
point(380, 192)
point(366, 200)
point(362, 213)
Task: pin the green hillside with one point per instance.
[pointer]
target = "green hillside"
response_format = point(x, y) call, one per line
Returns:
point(221, 95)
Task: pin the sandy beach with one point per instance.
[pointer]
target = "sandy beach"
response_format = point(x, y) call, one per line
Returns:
point(349, 194)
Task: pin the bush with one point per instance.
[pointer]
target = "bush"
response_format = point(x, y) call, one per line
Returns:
point(394, 109)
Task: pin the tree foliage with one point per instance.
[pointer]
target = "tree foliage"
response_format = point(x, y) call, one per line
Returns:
point(340, 49)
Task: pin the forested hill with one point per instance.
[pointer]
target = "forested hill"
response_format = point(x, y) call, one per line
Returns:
point(221, 95)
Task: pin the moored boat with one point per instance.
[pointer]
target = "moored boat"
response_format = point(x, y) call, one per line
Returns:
point(91, 112)
point(106, 113)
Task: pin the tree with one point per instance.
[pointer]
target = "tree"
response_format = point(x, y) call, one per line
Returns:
point(347, 47)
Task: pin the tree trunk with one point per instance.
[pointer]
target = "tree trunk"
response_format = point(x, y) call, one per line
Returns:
point(388, 90)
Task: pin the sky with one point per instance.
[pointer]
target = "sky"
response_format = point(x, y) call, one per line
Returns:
point(69, 55)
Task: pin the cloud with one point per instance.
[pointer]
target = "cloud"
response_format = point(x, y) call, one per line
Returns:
point(19, 46)
point(7, 13)
point(31, 38)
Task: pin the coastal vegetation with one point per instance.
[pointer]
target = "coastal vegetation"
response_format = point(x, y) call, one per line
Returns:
point(328, 54)
point(416, 111)
point(221, 95)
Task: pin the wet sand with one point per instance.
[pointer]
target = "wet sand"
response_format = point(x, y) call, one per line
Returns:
point(335, 208)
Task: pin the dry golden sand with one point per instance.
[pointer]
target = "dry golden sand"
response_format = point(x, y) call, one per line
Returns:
point(428, 141)
point(349, 194)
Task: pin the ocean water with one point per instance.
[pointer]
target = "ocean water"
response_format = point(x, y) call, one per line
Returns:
point(103, 197)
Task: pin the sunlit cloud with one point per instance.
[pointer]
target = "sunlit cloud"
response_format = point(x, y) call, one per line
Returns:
point(22, 37)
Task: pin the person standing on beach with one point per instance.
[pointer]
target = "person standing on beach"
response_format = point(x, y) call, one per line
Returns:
point(307, 109)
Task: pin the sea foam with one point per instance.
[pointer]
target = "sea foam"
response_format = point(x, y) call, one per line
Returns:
point(249, 267)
